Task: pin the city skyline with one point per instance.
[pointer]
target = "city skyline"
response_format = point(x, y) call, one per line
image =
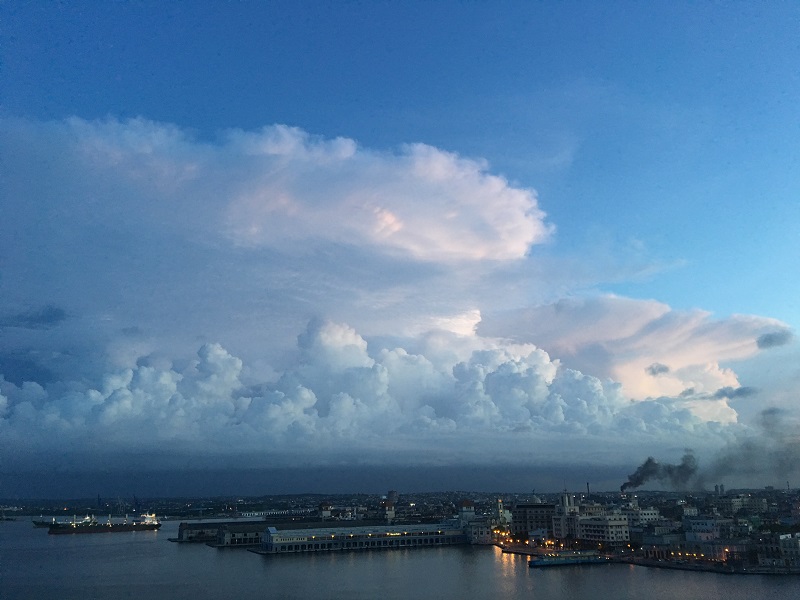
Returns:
point(496, 239)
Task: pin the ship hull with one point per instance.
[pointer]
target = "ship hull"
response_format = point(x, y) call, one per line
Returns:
point(69, 529)
point(567, 558)
point(565, 562)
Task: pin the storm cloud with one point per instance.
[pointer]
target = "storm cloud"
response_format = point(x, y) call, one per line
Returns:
point(342, 402)
point(271, 297)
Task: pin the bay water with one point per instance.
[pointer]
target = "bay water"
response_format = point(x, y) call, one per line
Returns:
point(146, 564)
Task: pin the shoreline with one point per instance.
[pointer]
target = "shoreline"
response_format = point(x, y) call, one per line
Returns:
point(711, 567)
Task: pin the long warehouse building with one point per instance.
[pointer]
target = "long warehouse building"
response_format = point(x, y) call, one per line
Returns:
point(329, 539)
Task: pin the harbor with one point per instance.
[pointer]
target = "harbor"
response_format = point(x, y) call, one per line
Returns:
point(726, 532)
point(146, 564)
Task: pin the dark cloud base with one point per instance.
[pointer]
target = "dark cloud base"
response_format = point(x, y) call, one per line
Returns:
point(37, 318)
point(320, 480)
point(19, 367)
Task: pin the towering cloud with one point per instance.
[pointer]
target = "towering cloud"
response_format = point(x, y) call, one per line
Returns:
point(141, 227)
point(153, 285)
point(340, 399)
point(281, 186)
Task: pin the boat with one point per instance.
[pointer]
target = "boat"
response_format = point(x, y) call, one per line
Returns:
point(567, 557)
point(42, 523)
point(91, 525)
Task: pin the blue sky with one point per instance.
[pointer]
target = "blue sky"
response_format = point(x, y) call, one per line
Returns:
point(452, 223)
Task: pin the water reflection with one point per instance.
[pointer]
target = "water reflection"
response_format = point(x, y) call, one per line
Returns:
point(34, 565)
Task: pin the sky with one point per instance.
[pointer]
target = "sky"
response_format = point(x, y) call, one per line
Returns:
point(310, 246)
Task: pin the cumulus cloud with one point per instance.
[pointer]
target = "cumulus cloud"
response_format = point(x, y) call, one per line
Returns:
point(342, 401)
point(431, 204)
point(140, 227)
point(149, 244)
point(652, 349)
point(281, 185)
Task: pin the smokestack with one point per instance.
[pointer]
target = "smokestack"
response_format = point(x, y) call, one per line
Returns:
point(587, 489)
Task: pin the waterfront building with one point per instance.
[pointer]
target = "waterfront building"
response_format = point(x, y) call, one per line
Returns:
point(790, 549)
point(531, 517)
point(565, 526)
point(538, 537)
point(565, 518)
point(591, 522)
point(203, 531)
point(610, 530)
point(660, 545)
point(466, 511)
point(237, 535)
point(221, 533)
point(779, 550)
point(481, 531)
point(331, 539)
point(484, 529)
point(279, 512)
point(502, 515)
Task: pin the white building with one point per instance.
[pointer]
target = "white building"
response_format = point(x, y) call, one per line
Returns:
point(611, 530)
point(641, 516)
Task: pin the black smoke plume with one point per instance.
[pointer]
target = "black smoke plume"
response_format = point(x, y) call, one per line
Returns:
point(678, 476)
point(772, 449)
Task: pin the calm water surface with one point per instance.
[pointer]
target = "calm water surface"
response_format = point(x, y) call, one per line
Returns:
point(145, 564)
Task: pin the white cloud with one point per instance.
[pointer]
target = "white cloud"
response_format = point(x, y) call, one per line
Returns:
point(149, 244)
point(622, 338)
point(340, 399)
point(424, 202)
point(281, 185)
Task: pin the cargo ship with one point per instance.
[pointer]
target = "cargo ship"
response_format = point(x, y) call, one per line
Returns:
point(91, 525)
